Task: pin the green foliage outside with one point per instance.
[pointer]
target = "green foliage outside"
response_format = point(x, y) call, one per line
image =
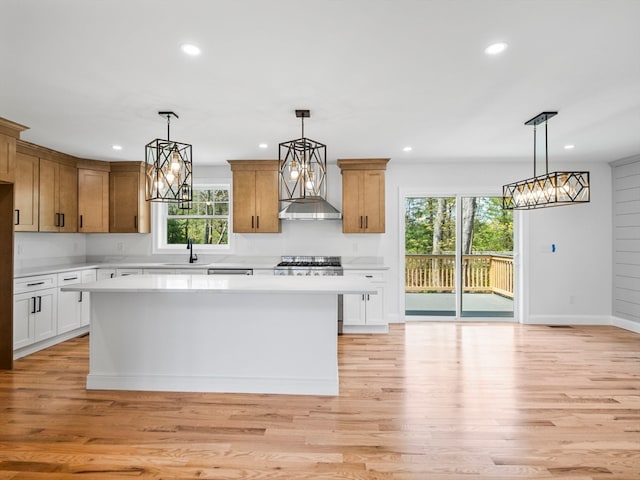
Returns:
point(492, 226)
point(206, 218)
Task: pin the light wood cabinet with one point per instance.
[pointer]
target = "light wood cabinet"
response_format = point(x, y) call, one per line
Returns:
point(363, 195)
point(129, 211)
point(27, 192)
point(93, 201)
point(58, 203)
point(9, 134)
point(255, 196)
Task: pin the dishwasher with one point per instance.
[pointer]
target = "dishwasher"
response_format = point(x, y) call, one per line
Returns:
point(230, 271)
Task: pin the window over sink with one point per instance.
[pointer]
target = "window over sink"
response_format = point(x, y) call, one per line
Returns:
point(205, 219)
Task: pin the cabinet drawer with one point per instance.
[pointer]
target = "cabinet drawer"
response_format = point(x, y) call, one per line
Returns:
point(371, 275)
point(31, 284)
point(69, 278)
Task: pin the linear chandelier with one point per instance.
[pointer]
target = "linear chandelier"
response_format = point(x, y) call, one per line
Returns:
point(303, 167)
point(169, 166)
point(548, 190)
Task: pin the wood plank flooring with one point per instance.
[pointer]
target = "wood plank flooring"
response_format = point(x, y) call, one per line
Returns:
point(428, 401)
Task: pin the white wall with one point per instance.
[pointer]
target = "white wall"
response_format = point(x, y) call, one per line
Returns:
point(572, 285)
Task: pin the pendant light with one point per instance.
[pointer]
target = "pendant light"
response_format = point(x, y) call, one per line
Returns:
point(303, 167)
point(548, 190)
point(169, 167)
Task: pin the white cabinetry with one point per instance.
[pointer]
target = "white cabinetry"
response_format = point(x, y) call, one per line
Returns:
point(34, 310)
point(69, 303)
point(365, 313)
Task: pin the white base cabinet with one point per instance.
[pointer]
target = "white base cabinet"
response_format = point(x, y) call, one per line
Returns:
point(43, 315)
point(34, 317)
point(365, 313)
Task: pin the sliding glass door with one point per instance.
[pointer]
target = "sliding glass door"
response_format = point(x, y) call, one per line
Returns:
point(487, 258)
point(458, 265)
point(430, 256)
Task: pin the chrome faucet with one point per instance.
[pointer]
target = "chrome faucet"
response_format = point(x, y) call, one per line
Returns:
point(192, 256)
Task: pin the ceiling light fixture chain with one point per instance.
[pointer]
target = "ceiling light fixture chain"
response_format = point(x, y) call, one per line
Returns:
point(550, 189)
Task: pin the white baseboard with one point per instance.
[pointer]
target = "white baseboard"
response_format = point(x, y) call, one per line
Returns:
point(49, 342)
point(626, 324)
point(567, 320)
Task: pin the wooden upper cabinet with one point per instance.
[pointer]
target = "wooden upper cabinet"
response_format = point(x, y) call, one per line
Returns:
point(129, 211)
point(27, 192)
point(9, 135)
point(255, 196)
point(58, 203)
point(363, 195)
point(93, 200)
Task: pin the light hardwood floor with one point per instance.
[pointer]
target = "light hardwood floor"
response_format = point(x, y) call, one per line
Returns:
point(428, 401)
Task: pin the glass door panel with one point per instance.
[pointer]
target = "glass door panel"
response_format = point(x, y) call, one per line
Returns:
point(487, 258)
point(430, 260)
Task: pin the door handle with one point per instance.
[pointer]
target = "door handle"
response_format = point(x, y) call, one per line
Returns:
point(80, 221)
point(366, 221)
point(80, 298)
point(258, 221)
point(69, 278)
point(33, 310)
point(360, 221)
point(34, 284)
point(39, 303)
point(135, 222)
point(57, 219)
point(17, 217)
point(62, 214)
point(252, 221)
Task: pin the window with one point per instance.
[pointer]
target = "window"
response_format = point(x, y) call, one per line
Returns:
point(205, 220)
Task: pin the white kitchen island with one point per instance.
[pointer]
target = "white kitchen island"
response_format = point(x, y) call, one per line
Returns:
point(198, 333)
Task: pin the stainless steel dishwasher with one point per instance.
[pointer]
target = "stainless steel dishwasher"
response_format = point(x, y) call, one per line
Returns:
point(230, 271)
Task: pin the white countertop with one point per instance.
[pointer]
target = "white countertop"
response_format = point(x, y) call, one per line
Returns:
point(247, 263)
point(227, 284)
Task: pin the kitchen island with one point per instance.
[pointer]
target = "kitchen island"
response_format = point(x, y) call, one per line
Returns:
point(197, 333)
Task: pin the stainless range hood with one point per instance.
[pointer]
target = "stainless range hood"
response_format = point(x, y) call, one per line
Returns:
point(310, 208)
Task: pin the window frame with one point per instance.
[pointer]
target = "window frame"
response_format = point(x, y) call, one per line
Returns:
point(160, 214)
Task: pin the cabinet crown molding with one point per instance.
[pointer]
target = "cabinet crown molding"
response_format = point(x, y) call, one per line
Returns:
point(10, 128)
point(363, 163)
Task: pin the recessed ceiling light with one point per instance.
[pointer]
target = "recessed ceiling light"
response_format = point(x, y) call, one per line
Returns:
point(116, 147)
point(407, 149)
point(569, 147)
point(263, 145)
point(495, 48)
point(190, 49)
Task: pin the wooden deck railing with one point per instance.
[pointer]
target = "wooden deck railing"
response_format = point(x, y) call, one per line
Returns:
point(480, 273)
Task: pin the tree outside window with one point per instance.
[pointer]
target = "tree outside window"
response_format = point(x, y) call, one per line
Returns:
point(205, 219)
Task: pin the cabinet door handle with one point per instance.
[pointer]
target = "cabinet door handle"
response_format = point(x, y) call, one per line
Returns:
point(80, 298)
point(57, 220)
point(80, 221)
point(39, 303)
point(366, 221)
point(363, 297)
point(368, 276)
point(33, 310)
point(251, 221)
point(17, 217)
point(62, 215)
point(360, 221)
point(34, 284)
point(368, 297)
point(69, 278)
point(135, 222)
point(111, 275)
point(258, 221)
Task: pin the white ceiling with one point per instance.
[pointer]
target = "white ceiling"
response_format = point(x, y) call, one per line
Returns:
point(377, 75)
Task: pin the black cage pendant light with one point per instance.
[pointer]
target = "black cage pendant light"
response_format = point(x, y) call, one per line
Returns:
point(169, 166)
point(548, 190)
point(303, 167)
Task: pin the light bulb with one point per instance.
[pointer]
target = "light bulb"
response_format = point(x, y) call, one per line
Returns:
point(175, 162)
point(293, 170)
point(159, 185)
point(170, 177)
